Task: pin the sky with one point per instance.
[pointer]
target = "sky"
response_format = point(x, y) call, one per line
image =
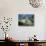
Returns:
point(23, 16)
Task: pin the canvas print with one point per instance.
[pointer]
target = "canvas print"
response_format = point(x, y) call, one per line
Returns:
point(26, 19)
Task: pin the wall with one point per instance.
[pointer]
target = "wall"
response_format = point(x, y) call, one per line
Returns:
point(11, 8)
point(45, 29)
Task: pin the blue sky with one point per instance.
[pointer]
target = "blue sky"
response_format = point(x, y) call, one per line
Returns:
point(23, 16)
